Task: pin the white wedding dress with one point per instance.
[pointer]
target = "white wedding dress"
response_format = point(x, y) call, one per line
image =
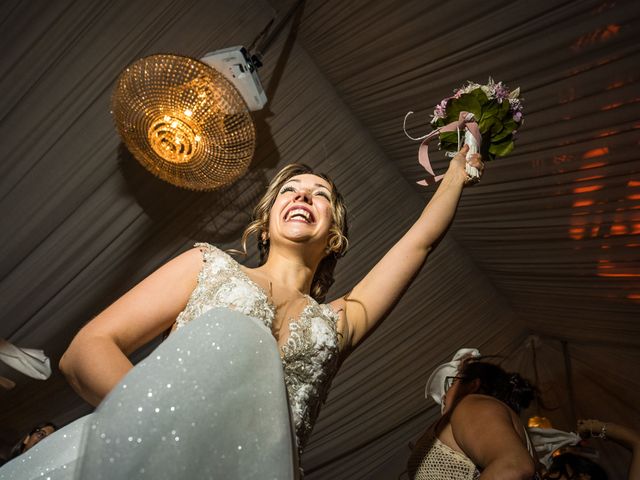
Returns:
point(217, 399)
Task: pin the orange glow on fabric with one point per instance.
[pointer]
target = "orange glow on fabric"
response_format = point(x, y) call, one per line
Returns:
point(587, 166)
point(576, 233)
point(596, 152)
point(619, 275)
point(601, 34)
point(616, 84)
point(618, 229)
point(586, 179)
point(539, 422)
point(587, 189)
point(607, 133)
point(611, 106)
point(583, 203)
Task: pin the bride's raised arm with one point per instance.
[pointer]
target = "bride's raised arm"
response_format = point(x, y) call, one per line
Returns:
point(373, 297)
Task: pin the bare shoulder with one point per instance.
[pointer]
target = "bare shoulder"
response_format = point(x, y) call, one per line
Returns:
point(190, 260)
point(483, 402)
point(475, 407)
point(178, 276)
point(193, 257)
point(484, 429)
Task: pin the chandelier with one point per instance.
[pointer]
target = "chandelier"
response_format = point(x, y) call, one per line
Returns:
point(188, 121)
point(184, 121)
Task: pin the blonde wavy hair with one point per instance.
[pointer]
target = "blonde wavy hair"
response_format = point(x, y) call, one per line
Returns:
point(337, 243)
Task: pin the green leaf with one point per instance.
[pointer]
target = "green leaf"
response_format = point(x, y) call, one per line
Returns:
point(439, 123)
point(490, 110)
point(511, 124)
point(467, 103)
point(504, 108)
point(480, 96)
point(449, 137)
point(501, 149)
point(501, 135)
point(488, 124)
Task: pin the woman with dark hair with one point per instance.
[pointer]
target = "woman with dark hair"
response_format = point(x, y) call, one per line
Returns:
point(479, 432)
point(569, 466)
point(208, 402)
point(36, 435)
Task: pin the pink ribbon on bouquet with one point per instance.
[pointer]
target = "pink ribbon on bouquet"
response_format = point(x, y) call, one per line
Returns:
point(465, 120)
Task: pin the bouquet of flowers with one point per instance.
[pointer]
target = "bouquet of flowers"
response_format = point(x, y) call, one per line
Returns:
point(487, 115)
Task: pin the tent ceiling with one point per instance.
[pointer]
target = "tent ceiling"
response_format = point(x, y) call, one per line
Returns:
point(547, 244)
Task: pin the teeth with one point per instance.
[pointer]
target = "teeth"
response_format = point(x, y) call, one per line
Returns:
point(299, 212)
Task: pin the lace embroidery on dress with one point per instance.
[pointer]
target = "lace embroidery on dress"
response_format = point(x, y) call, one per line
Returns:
point(221, 283)
point(310, 359)
point(310, 355)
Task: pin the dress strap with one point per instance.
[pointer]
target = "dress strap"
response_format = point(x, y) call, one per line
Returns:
point(208, 251)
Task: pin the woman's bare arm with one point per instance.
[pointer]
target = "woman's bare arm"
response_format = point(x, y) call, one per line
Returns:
point(96, 359)
point(620, 434)
point(372, 298)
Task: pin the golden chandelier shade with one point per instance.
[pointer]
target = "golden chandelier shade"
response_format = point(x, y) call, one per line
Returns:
point(183, 121)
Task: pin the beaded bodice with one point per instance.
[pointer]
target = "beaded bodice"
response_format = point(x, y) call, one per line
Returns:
point(311, 352)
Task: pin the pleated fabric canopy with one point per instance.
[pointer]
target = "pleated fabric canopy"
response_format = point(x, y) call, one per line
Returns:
point(542, 261)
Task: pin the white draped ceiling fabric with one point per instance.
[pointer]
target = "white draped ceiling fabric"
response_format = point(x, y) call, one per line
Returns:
point(544, 251)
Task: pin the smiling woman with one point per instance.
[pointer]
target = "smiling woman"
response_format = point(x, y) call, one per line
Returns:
point(285, 185)
point(210, 402)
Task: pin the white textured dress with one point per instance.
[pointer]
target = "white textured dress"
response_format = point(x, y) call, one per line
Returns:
point(217, 399)
point(310, 355)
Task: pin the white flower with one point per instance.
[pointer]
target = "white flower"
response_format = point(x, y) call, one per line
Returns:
point(238, 293)
point(322, 333)
point(216, 263)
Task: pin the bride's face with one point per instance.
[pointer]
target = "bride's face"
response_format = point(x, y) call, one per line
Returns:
point(302, 211)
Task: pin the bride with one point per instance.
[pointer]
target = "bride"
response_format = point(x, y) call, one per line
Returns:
point(209, 402)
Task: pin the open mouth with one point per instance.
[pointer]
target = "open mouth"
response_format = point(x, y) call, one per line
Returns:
point(299, 214)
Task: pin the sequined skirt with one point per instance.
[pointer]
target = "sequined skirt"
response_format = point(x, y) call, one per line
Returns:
point(209, 403)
